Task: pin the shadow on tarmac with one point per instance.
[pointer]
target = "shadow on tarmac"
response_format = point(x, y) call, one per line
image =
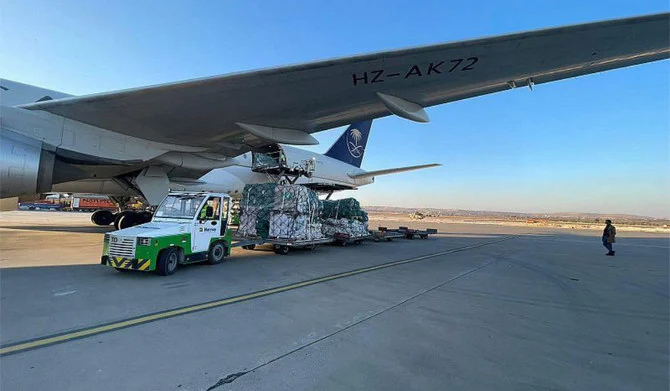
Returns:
point(93, 229)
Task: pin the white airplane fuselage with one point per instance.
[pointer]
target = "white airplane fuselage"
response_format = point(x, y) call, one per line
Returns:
point(328, 172)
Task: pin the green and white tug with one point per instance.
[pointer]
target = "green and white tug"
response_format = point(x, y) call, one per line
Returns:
point(187, 227)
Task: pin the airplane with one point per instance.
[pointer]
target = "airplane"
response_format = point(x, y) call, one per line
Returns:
point(337, 169)
point(147, 138)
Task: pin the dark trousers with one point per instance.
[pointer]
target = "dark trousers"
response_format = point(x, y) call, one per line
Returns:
point(607, 244)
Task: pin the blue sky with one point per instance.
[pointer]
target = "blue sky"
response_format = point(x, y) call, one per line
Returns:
point(599, 143)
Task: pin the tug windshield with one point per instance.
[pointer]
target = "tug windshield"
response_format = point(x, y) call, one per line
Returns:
point(179, 206)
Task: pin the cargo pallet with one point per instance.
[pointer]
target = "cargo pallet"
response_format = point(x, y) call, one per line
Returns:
point(343, 239)
point(409, 233)
point(382, 233)
point(281, 246)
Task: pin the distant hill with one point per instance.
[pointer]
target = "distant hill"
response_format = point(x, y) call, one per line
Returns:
point(571, 216)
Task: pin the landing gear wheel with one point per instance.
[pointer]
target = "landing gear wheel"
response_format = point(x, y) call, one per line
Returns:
point(119, 216)
point(167, 261)
point(144, 217)
point(102, 217)
point(282, 250)
point(129, 220)
point(217, 253)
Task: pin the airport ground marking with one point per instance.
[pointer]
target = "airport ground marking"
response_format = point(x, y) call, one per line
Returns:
point(232, 377)
point(147, 318)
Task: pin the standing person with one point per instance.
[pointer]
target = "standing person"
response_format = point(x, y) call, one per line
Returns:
point(609, 237)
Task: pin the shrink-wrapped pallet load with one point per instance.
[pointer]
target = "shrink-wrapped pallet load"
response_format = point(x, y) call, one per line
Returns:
point(280, 211)
point(347, 208)
point(353, 228)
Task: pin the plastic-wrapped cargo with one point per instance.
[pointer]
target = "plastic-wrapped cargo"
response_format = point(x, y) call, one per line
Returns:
point(247, 226)
point(263, 160)
point(296, 199)
point(344, 216)
point(286, 226)
point(261, 195)
point(255, 207)
point(289, 226)
point(280, 211)
point(347, 208)
point(314, 230)
point(353, 228)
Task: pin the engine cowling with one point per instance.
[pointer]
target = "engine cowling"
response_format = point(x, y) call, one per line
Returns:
point(25, 167)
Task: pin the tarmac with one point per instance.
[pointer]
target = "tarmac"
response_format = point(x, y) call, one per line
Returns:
point(476, 307)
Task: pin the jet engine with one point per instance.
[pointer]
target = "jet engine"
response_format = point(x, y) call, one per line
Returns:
point(25, 168)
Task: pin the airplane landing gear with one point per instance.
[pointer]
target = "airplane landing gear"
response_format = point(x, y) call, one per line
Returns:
point(102, 217)
point(128, 218)
point(123, 219)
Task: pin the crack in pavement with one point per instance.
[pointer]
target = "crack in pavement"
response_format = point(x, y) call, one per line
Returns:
point(228, 379)
point(232, 377)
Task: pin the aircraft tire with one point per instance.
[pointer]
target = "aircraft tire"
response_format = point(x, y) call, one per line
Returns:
point(145, 217)
point(102, 217)
point(128, 220)
point(122, 215)
point(117, 217)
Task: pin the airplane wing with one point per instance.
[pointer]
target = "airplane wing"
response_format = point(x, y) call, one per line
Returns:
point(234, 113)
point(369, 174)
